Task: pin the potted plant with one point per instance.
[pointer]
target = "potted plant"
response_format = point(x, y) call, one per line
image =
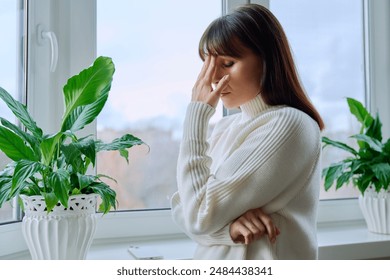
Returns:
point(49, 173)
point(368, 167)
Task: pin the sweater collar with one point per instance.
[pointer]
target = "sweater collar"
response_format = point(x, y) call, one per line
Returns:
point(253, 107)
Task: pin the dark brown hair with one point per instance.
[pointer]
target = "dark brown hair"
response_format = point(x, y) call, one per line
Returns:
point(257, 29)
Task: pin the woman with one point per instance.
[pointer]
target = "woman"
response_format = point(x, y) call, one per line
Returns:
point(265, 159)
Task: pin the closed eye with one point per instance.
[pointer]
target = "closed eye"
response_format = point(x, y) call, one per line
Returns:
point(228, 64)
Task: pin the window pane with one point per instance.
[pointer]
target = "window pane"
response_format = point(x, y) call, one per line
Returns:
point(9, 74)
point(154, 47)
point(326, 37)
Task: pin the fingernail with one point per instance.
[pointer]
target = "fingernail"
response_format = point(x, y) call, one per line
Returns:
point(226, 77)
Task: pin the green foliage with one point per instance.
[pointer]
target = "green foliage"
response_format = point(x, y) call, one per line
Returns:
point(55, 166)
point(367, 167)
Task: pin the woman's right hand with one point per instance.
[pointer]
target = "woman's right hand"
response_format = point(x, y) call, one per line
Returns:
point(202, 90)
point(253, 225)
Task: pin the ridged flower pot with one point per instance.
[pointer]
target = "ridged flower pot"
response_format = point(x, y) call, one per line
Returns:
point(62, 234)
point(376, 210)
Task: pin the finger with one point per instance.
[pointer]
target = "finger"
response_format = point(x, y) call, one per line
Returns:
point(239, 239)
point(204, 67)
point(216, 93)
point(242, 233)
point(221, 84)
point(253, 223)
point(258, 228)
point(210, 70)
point(235, 231)
point(248, 236)
point(268, 223)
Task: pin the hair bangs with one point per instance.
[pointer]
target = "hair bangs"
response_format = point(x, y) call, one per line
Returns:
point(220, 38)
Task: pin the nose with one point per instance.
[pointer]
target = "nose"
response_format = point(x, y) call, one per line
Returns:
point(218, 74)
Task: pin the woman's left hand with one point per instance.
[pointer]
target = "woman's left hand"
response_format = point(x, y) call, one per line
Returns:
point(253, 225)
point(202, 90)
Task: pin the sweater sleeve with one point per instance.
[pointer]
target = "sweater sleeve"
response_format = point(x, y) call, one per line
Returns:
point(259, 171)
point(220, 237)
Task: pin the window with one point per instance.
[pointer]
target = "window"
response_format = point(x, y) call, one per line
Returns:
point(74, 23)
point(327, 41)
point(156, 69)
point(11, 77)
point(154, 48)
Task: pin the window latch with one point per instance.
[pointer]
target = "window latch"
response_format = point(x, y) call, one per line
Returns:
point(42, 36)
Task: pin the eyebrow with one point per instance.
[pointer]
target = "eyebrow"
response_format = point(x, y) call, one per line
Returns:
point(227, 56)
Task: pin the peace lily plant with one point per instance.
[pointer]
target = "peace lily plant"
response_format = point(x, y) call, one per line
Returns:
point(55, 166)
point(368, 166)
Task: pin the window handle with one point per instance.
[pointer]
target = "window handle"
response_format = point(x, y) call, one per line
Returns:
point(44, 35)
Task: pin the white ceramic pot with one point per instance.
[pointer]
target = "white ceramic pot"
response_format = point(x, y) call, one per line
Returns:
point(376, 210)
point(62, 234)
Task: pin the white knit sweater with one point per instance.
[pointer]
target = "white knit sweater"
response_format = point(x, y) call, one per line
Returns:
point(265, 157)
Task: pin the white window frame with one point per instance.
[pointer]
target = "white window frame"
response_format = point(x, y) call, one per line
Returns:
point(80, 51)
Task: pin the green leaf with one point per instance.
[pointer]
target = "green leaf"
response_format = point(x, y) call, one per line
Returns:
point(358, 110)
point(339, 145)
point(332, 173)
point(76, 191)
point(51, 201)
point(23, 170)
point(125, 154)
point(107, 195)
point(105, 176)
point(386, 147)
point(125, 142)
point(31, 140)
point(343, 179)
point(59, 180)
point(5, 189)
point(49, 146)
point(30, 189)
point(382, 173)
point(86, 180)
point(73, 156)
point(375, 129)
point(86, 87)
point(83, 115)
point(87, 148)
point(356, 165)
point(363, 182)
point(367, 154)
point(21, 113)
point(372, 142)
point(14, 147)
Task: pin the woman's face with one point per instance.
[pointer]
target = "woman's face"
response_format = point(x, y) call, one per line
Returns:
point(245, 75)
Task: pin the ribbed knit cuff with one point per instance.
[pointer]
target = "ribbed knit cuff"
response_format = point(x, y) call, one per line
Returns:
point(222, 237)
point(197, 120)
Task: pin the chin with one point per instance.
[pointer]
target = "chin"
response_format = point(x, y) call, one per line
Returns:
point(230, 106)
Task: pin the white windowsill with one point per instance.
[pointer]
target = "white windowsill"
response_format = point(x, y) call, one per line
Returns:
point(336, 241)
point(347, 240)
